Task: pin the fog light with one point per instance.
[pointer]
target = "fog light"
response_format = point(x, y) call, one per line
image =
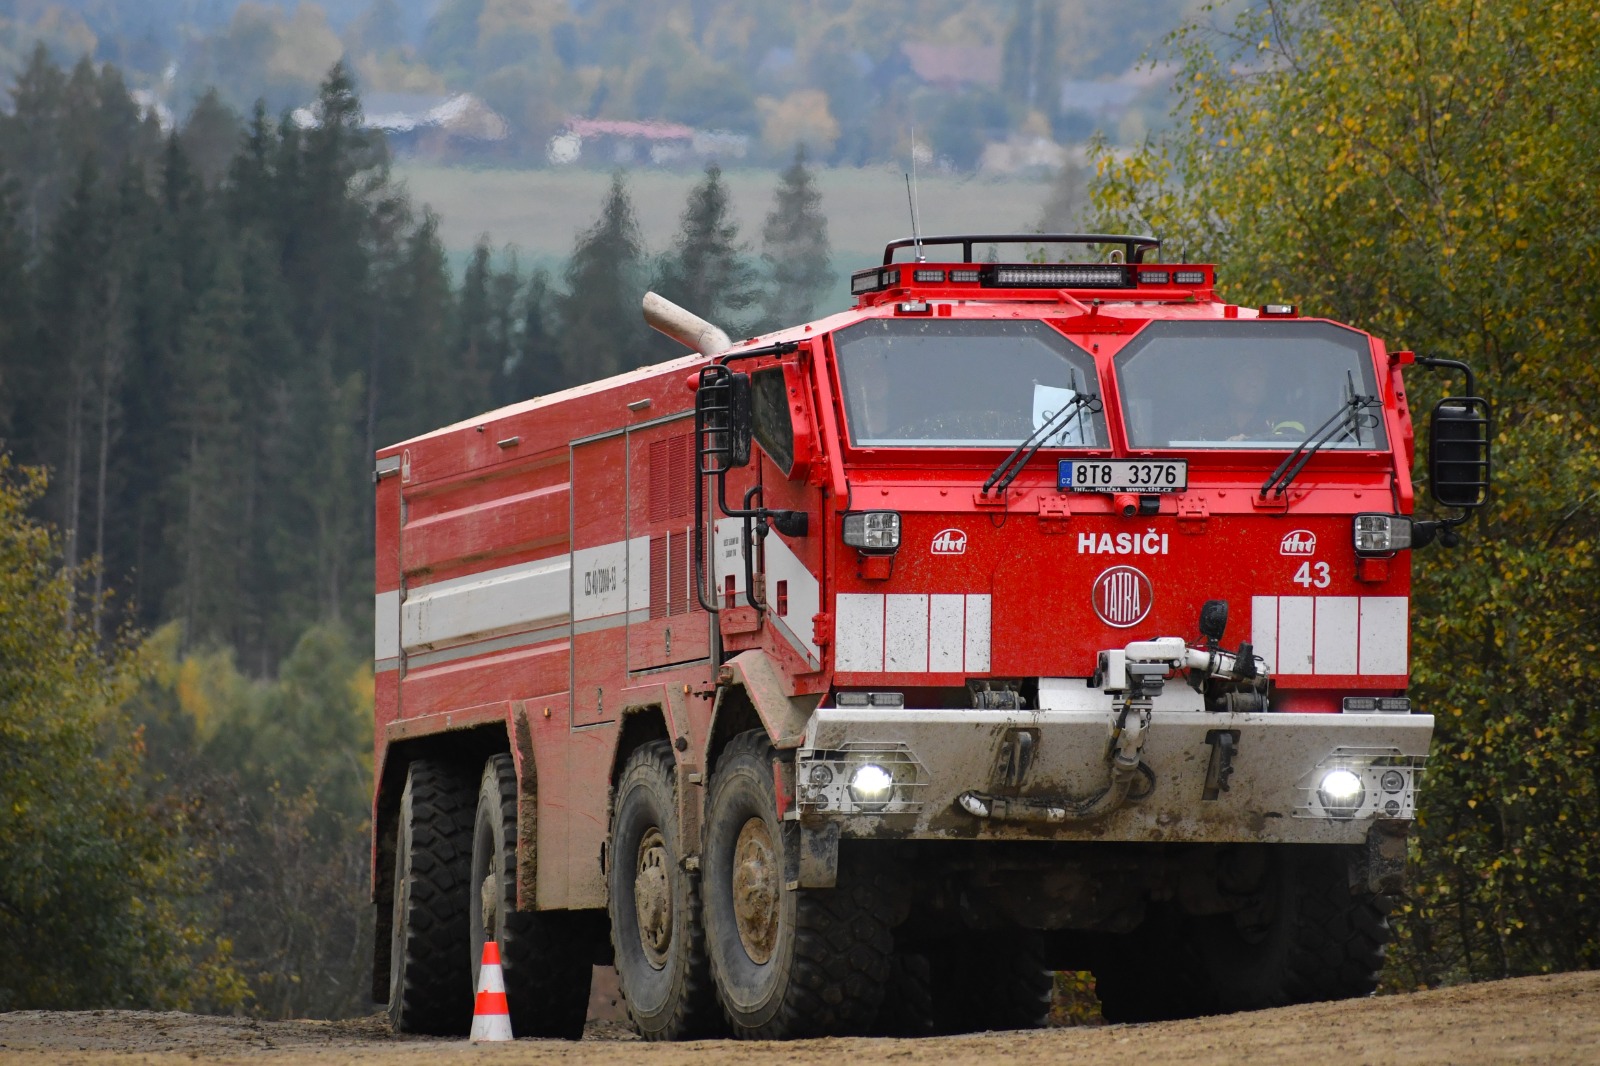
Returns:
point(872, 531)
point(1381, 534)
point(871, 786)
point(1341, 793)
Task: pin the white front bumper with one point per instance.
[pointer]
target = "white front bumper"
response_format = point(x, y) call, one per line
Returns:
point(936, 756)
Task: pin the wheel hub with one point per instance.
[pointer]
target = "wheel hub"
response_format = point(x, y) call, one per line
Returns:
point(652, 898)
point(756, 890)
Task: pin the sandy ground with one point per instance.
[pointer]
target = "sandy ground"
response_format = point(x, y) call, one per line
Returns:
point(1543, 1020)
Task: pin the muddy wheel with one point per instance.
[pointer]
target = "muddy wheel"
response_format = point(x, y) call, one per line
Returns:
point(656, 933)
point(546, 973)
point(785, 962)
point(430, 982)
point(991, 980)
point(1306, 937)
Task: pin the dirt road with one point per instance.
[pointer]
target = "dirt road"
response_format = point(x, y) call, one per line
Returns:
point(1543, 1020)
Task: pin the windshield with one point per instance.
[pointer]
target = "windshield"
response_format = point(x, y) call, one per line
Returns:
point(1244, 384)
point(944, 383)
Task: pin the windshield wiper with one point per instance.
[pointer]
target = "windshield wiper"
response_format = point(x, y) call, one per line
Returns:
point(1343, 421)
point(1011, 466)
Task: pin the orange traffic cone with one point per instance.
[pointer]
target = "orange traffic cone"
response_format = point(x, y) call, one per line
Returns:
point(491, 1018)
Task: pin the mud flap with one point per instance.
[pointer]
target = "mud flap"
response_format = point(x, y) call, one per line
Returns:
point(1381, 867)
point(810, 855)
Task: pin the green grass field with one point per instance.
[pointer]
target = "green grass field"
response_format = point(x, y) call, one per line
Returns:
point(541, 212)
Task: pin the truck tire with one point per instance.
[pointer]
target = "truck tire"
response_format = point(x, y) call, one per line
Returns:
point(656, 930)
point(430, 981)
point(786, 962)
point(546, 974)
point(907, 1008)
point(992, 980)
point(1314, 939)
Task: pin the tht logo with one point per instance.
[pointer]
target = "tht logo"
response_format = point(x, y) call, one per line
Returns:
point(1121, 597)
point(1300, 542)
point(950, 542)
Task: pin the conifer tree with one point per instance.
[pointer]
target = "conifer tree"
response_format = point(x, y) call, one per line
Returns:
point(706, 271)
point(72, 292)
point(31, 137)
point(536, 370)
point(208, 509)
point(602, 332)
point(17, 362)
point(794, 246)
point(420, 311)
point(477, 349)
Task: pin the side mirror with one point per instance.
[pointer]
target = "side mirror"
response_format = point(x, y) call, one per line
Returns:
point(1458, 452)
point(722, 420)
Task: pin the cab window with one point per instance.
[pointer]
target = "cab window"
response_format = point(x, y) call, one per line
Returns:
point(944, 383)
point(1245, 384)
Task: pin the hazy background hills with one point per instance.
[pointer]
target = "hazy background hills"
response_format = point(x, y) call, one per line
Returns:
point(536, 95)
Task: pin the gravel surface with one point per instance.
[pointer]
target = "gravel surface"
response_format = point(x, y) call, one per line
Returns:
point(1543, 1020)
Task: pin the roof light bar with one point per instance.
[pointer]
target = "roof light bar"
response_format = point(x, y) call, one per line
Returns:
point(865, 281)
point(1059, 276)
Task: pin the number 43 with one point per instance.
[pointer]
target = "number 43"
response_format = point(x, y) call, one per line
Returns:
point(1311, 574)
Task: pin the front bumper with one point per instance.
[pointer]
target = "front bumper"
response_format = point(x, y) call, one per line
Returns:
point(1213, 778)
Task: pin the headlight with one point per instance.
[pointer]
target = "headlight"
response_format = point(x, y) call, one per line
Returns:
point(1341, 793)
point(871, 786)
point(872, 531)
point(1381, 534)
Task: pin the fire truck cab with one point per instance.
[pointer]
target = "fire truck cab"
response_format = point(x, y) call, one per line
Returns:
point(1043, 611)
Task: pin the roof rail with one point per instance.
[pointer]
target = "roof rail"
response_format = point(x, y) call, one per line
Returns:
point(1133, 248)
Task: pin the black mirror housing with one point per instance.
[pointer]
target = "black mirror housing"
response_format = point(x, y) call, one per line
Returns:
point(1458, 452)
point(723, 421)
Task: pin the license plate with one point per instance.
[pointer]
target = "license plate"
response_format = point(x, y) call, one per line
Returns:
point(1122, 475)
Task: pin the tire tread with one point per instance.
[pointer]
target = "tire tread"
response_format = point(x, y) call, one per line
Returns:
point(435, 996)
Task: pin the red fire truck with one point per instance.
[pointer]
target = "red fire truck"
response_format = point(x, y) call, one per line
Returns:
point(854, 678)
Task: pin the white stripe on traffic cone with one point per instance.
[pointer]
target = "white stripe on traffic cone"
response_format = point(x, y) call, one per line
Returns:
point(491, 1017)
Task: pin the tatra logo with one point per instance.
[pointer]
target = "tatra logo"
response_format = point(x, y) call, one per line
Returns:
point(950, 542)
point(1147, 543)
point(1300, 542)
point(1121, 597)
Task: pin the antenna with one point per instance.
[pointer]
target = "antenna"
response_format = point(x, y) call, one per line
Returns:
point(911, 198)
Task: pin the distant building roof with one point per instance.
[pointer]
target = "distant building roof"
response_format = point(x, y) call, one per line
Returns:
point(458, 115)
point(649, 131)
point(953, 66)
point(461, 115)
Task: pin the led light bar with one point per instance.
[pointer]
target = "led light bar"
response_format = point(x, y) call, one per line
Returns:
point(1190, 277)
point(966, 275)
point(870, 699)
point(1154, 277)
point(1059, 276)
point(929, 276)
point(1378, 704)
point(864, 281)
